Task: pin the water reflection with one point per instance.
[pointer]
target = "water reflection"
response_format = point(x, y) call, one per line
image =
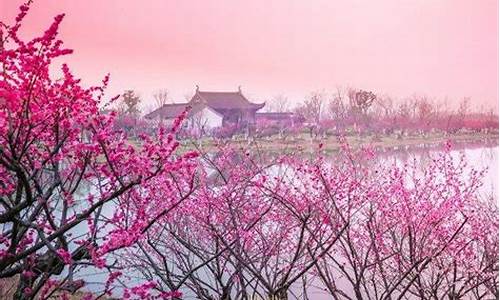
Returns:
point(479, 158)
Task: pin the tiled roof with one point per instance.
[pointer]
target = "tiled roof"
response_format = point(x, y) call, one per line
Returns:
point(225, 100)
point(172, 110)
point(218, 101)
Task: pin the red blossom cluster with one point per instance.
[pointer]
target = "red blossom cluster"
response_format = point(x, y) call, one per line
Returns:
point(259, 226)
point(73, 189)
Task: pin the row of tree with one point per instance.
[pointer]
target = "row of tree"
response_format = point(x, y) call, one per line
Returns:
point(365, 112)
point(339, 113)
point(290, 228)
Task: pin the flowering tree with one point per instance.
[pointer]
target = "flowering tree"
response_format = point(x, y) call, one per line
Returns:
point(259, 226)
point(75, 194)
point(72, 189)
point(133, 126)
point(249, 230)
point(415, 233)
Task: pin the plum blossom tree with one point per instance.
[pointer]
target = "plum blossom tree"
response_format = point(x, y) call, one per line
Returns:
point(54, 143)
point(245, 233)
point(231, 224)
point(259, 227)
point(415, 233)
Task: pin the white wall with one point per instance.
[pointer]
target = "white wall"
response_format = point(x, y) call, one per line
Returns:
point(206, 120)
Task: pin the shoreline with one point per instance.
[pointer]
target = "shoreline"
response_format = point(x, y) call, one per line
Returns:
point(303, 143)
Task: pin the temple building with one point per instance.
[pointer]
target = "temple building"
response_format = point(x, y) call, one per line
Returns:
point(211, 110)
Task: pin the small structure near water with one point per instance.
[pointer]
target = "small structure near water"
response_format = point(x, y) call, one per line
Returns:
point(211, 110)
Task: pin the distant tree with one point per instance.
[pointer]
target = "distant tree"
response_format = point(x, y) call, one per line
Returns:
point(131, 102)
point(312, 107)
point(311, 110)
point(278, 103)
point(455, 119)
point(425, 112)
point(361, 100)
point(161, 98)
point(337, 109)
point(385, 106)
point(199, 125)
point(404, 110)
point(384, 115)
point(463, 108)
point(424, 109)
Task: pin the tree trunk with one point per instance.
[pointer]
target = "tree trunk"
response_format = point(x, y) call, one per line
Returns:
point(24, 286)
point(280, 294)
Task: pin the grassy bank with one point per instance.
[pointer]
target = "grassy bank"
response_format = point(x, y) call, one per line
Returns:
point(301, 143)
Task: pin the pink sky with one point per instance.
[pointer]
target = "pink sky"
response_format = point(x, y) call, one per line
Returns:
point(445, 48)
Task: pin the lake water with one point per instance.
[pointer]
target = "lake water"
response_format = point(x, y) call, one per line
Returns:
point(479, 157)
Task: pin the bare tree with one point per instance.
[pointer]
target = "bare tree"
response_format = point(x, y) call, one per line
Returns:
point(425, 113)
point(161, 98)
point(311, 110)
point(337, 109)
point(360, 102)
point(199, 123)
point(312, 107)
point(278, 103)
point(384, 106)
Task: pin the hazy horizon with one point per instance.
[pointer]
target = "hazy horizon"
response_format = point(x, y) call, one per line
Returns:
point(441, 49)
